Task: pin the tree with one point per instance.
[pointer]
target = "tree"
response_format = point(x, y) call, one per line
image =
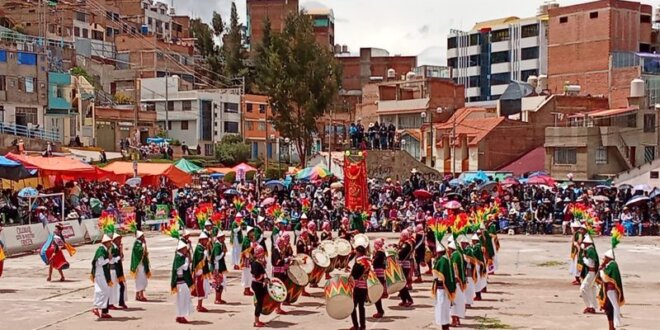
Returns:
point(204, 44)
point(232, 150)
point(301, 79)
point(217, 24)
point(233, 46)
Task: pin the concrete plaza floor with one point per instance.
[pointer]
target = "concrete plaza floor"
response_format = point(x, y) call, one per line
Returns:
point(532, 290)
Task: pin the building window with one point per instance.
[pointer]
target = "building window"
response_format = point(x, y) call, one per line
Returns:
point(500, 35)
point(170, 105)
point(85, 33)
point(645, 19)
point(601, 156)
point(451, 62)
point(248, 107)
point(262, 108)
point(475, 60)
point(261, 126)
point(563, 20)
point(81, 16)
point(184, 125)
point(531, 30)
point(452, 43)
point(186, 105)
point(649, 123)
point(649, 154)
point(654, 175)
point(565, 156)
point(593, 14)
point(3, 83)
point(529, 53)
point(503, 78)
point(249, 125)
point(499, 57)
point(321, 22)
point(26, 116)
point(631, 121)
point(231, 107)
point(475, 39)
point(231, 127)
point(525, 74)
point(475, 81)
point(76, 31)
point(169, 125)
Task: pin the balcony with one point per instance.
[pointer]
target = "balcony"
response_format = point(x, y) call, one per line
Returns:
point(124, 114)
point(569, 136)
point(403, 106)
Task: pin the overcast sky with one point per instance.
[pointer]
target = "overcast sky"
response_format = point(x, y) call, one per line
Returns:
point(406, 27)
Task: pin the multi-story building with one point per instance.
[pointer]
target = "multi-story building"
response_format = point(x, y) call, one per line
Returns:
point(258, 10)
point(258, 129)
point(121, 121)
point(194, 117)
point(70, 110)
point(149, 16)
point(586, 42)
point(153, 58)
point(324, 26)
point(496, 52)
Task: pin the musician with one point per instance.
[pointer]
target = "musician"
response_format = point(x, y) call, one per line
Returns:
point(280, 260)
point(219, 266)
point(303, 243)
point(379, 265)
point(359, 273)
point(457, 310)
point(300, 226)
point(118, 291)
point(259, 236)
point(420, 251)
point(278, 230)
point(201, 272)
point(611, 296)
point(326, 231)
point(259, 282)
point(182, 282)
point(405, 258)
point(344, 230)
point(313, 238)
point(247, 256)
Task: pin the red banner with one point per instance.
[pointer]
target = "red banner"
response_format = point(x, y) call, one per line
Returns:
point(355, 184)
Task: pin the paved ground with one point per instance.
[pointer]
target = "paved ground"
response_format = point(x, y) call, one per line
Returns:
point(532, 291)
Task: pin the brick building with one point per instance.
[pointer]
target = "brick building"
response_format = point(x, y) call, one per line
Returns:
point(323, 20)
point(584, 37)
point(258, 129)
point(258, 10)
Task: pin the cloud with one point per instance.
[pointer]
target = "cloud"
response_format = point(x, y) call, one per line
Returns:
point(432, 56)
point(424, 29)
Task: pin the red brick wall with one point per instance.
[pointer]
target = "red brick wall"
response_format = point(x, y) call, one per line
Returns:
point(276, 10)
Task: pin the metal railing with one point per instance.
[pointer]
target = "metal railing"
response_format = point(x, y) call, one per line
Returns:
point(29, 132)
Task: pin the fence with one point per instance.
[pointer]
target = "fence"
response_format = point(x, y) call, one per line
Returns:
point(32, 133)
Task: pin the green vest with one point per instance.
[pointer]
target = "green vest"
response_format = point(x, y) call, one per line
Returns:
point(179, 260)
point(137, 256)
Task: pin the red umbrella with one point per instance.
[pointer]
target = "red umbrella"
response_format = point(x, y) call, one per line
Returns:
point(541, 179)
point(453, 205)
point(510, 181)
point(422, 194)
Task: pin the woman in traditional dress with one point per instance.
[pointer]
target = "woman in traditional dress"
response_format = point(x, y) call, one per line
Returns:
point(54, 253)
point(259, 282)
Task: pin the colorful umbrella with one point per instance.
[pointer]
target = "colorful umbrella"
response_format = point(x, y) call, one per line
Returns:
point(510, 181)
point(422, 194)
point(313, 173)
point(541, 179)
point(28, 192)
point(453, 205)
point(267, 201)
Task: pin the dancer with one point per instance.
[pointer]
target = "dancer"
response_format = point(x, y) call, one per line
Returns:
point(405, 256)
point(576, 248)
point(201, 272)
point(259, 282)
point(140, 265)
point(55, 246)
point(279, 260)
point(219, 267)
point(236, 237)
point(247, 255)
point(312, 236)
point(326, 231)
point(277, 232)
point(493, 243)
point(470, 271)
point(480, 267)
point(611, 296)
point(589, 272)
point(443, 287)
point(118, 292)
point(379, 266)
point(182, 283)
point(457, 310)
point(100, 275)
point(359, 273)
point(420, 251)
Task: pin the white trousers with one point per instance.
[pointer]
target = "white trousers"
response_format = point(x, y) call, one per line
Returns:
point(572, 267)
point(588, 290)
point(141, 280)
point(246, 278)
point(184, 305)
point(613, 296)
point(482, 281)
point(236, 253)
point(101, 291)
point(458, 308)
point(469, 291)
point(442, 305)
point(115, 290)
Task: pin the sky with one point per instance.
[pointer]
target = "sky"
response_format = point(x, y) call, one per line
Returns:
point(405, 27)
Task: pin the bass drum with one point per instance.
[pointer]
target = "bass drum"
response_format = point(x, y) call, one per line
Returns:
point(321, 263)
point(295, 282)
point(304, 261)
point(276, 295)
point(343, 252)
point(339, 296)
point(375, 289)
point(394, 277)
point(331, 250)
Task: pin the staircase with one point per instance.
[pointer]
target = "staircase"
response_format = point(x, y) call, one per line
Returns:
point(622, 147)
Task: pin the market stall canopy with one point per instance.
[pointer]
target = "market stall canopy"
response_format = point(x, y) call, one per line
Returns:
point(221, 170)
point(243, 167)
point(187, 166)
point(150, 172)
point(64, 167)
point(12, 170)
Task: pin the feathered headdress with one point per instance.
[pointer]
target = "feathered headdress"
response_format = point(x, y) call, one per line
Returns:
point(172, 229)
point(617, 234)
point(107, 223)
point(305, 204)
point(129, 225)
point(274, 211)
point(459, 224)
point(217, 218)
point(202, 213)
point(239, 203)
point(439, 228)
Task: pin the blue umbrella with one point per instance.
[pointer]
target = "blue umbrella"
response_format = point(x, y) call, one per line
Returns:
point(28, 192)
point(231, 192)
point(655, 193)
point(12, 170)
point(217, 176)
point(454, 182)
point(274, 183)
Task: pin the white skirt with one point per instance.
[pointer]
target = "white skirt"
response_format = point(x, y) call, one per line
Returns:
point(141, 280)
point(469, 291)
point(482, 281)
point(114, 290)
point(101, 291)
point(184, 305)
point(613, 296)
point(246, 278)
point(442, 305)
point(236, 254)
point(572, 267)
point(458, 307)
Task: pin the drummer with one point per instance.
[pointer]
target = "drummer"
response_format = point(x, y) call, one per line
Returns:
point(313, 237)
point(278, 230)
point(344, 230)
point(303, 246)
point(259, 282)
point(247, 255)
point(379, 265)
point(279, 260)
point(359, 273)
point(326, 231)
point(300, 226)
point(405, 258)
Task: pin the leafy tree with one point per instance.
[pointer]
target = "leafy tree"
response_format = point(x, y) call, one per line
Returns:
point(204, 44)
point(301, 79)
point(217, 24)
point(232, 150)
point(233, 46)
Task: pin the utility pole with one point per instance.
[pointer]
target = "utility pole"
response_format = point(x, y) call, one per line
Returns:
point(453, 144)
point(167, 105)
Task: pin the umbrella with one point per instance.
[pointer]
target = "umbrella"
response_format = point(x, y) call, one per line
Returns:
point(541, 179)
point(452, 205)
point(488, 186)
point(655, 193)
point(455, 195)
point(642, 187)
point(471, 177)
point(12, 170)
point(422, 194)
point(602, 186)
point(267, 201)
point(337, 185)
point(624, 186)
point(510, 181)
point(28, 192)
point(231, 192)
point(134, 182)
point(187, 166)
point(274, 184)
point(313, 173)
point(600, 198)
point(454, 183)
point(636, 200)
point(217, 176)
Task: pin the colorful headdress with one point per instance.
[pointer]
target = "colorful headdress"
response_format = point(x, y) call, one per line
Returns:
point(172, 229)
point(239, 203)
point(107, 223)
point(129, 225)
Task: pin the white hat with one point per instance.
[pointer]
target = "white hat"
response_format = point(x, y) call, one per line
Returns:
point(439, 248)
point(452, 245)
point(482, 226)
point(609, 254)
point(203, 235)
point(139, 234)
point(260, 219)
point(208, 223)
point(413, 171)
point(304, 216)
point(220, 234)
point(249, 229)
point(583, 226)
point(238, 215)
point(475, 237)
point(181, 245)
point(575, 224)
point(106, 239)
point(115, 235)
point(588, 240)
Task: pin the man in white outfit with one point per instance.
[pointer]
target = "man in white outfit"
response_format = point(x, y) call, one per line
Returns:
point(182, 282)
point(443, 286)
point(457, 310)
point(236, 236)
point(611, 297)
point(588, 286)
point(101, 275)
point(140, 266)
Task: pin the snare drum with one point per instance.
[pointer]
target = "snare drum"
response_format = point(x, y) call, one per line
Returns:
point(295, 282)
point(339, 296)
point(394, 277)
point(321, 263)
point(331, 250)
point(375, 289)
point(343, 252)
point(304, 261)
point(276, 295)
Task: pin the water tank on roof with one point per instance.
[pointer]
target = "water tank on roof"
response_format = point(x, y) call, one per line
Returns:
point(533, 80)
point(391, 73)
point(572, 89)
point(410, 75)
point(337, 49)
point(542, 83)
point(637, 88)
point(344, 49)
point(144, 29)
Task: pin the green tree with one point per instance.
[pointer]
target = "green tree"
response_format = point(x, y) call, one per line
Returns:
point(217, 24)
point(301, 79)
point(233, 50)
point(232, 150)
point(204, 35)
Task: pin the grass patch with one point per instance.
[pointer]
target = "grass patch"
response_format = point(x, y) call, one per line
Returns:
point(491, 323)
point(551, 263)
